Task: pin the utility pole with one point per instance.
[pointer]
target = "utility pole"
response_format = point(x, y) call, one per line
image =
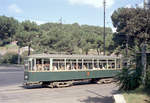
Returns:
point(60, 20)
point(144, 4)
point(104, 26)
point(18, 54)
point(144, 57)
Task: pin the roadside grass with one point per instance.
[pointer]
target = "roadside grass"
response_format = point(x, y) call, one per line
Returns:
point(139, 95)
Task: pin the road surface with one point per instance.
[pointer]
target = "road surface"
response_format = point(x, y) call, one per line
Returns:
point(10, 75)
point(12, 91)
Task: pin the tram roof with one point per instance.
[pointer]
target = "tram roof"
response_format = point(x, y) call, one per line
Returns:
point(74, 56)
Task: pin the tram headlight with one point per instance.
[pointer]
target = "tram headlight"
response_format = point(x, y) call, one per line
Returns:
point(26, 77)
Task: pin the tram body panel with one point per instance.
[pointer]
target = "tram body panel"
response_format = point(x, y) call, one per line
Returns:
point(68, 75)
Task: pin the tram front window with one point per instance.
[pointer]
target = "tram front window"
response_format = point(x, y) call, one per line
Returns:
point(26, 65)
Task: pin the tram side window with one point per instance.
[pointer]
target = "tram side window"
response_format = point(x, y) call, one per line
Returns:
point(58, 64)
point(46, 64)
point(90, 64)
point(102, 64)
point(33, 64)
point(39, 64)
point(118, 64)
point(74, 64)
point(80, 64)
point(30, 66)
point(111, 64)
point(62, 64)
point(87, 64)
point(68, 64)
point(96, 66)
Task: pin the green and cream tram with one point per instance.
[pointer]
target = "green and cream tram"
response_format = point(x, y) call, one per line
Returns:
point(49, 68)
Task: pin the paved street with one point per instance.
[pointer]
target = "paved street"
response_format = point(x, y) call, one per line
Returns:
point(12, 91)
point(89, 93)
point(10, 75)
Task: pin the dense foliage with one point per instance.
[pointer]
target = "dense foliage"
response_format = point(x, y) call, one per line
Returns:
point(55, 37)
point(8, 28)
point(133, 29)
point(9, 58)
point(133, 32)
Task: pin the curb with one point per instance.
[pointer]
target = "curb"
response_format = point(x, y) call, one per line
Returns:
point(119, 98)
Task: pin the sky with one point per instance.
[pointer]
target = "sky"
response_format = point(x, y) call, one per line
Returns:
point(88, 12)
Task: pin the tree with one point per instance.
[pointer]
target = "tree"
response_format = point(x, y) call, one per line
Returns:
point(71, 38)
point(8, 28)
point(134, 23)
point(123, 38)
point(142, 33)
point(26, 33)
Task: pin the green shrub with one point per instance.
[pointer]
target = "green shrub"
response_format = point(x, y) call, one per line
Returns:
point(9, 58)
point(147, 79)
point(128, 79)
point(148, 72)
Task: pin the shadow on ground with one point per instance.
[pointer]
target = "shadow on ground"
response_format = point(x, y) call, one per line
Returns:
point(147, 101)
point(99, 98)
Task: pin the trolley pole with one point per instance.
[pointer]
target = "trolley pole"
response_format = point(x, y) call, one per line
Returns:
point(104, 26)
